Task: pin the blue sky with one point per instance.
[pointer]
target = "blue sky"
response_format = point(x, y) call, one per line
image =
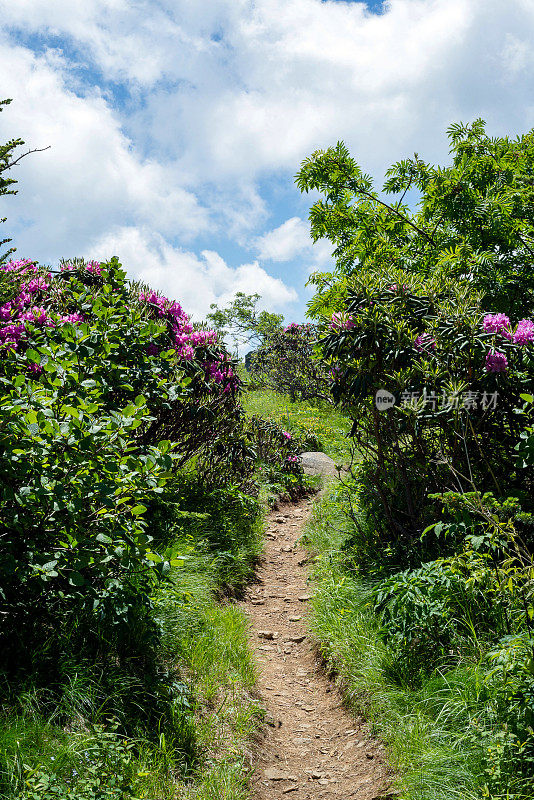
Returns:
point(176, 127)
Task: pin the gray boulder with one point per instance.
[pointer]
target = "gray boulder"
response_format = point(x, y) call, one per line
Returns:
point(317, 464)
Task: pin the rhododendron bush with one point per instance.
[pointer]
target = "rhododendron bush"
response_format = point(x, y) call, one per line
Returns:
point(454, 376)
point(105, 390)
point(286, 361)
point(428, 328)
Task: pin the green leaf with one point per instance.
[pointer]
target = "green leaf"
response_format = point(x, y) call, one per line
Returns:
point(137, 510)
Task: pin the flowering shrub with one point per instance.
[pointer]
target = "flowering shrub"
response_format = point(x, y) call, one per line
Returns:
point(102, 395)
point(455, 375)
point(286, 362)
point(278, 454)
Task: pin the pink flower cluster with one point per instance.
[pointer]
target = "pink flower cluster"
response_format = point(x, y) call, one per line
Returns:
point(339, 323)
point(295, 327)
point(185, 338)
point(497, 323)
point(293, 459)
point(93, 267)
point(425, 341)
point(496, 362)
point(524, 333)
point(222, 373)
point(286, 435)
point(22, 266)
point(500, 323)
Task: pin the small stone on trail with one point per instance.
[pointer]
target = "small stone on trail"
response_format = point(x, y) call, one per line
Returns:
point(267, 634)
point(304, 597)
point(258, 602)
point(297, 639)
point(275, 774)
point(286, 549)
point(280, 520)
point(291, 789)
point(370, 755)
point(294, 619)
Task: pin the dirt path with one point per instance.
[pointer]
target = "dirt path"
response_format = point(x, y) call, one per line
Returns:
point(313, 748)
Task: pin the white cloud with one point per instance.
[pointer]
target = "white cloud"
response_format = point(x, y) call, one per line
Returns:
point(285, 242)
point(236, 88)
point(195, 282)
point(91, 177)
point(222, 99)
point(291, 240)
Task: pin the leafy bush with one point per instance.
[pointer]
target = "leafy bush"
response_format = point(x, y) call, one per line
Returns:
point(286, 362)
point(428, 328)
point(95, 379)
point(107, 774)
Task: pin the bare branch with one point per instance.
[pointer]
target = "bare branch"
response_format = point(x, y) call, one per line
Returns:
point(12, 163)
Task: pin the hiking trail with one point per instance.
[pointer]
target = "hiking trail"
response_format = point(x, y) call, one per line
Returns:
point(311, 747)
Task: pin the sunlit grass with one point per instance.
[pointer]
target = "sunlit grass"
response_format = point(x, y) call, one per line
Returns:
point(426, 731)
point(321, 426)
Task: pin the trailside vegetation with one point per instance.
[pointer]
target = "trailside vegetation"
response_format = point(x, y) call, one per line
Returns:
point(129, 484)
point(428, 327)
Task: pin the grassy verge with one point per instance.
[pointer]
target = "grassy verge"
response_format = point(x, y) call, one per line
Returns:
point(429, 732)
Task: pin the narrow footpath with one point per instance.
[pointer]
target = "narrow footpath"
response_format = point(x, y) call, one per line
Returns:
point(312, 747)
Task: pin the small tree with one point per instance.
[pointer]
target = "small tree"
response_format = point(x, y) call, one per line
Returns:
point(242, 322)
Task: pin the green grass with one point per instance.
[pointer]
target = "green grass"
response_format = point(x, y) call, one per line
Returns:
point(320, 426)
point(199, 749)
point(428, 731)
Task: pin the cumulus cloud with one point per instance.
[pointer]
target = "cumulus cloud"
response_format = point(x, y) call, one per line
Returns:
point(285, 242)
point(91, 177)
point(289, 240)
point(178, 117)
point(194, 281)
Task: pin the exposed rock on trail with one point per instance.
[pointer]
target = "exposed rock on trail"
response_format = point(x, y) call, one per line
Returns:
point(312, 746)
point(317, 464)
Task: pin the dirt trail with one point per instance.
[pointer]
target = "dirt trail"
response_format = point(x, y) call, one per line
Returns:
point(312, 747)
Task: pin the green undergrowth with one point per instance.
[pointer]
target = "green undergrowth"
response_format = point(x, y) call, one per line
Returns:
point(441, 735)
point(319, 426)
point(183, 731)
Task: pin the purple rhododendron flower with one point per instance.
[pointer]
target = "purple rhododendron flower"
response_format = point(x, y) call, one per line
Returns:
point(71, 318)
point(6, 311)
point(338, 323)
point(496, 362)
point(497, 323)
point(424, 341)
point(524, 333)
point(35, 369)
point(94, 267)
point(37, 315)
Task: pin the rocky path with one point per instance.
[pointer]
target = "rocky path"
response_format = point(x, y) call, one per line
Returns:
point(312, 747)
